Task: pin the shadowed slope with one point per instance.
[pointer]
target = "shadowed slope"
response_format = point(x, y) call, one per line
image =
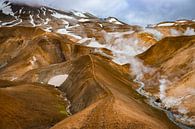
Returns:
point(30, 106)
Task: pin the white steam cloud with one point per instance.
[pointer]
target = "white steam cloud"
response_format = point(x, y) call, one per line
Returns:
point(163, 87)
point(189, 31)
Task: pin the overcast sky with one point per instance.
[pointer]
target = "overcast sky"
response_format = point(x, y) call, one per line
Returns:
point(139, 12)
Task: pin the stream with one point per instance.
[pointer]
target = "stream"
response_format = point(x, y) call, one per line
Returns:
point(152, 102)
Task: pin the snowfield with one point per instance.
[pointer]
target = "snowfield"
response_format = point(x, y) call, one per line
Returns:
point(58, 80)
point(166, 24)
point(115, 21)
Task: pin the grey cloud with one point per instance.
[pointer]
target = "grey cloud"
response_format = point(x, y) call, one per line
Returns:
point(132, 11)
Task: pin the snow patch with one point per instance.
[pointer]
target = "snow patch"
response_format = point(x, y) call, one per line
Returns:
point(95, 44)
point(58, 80)
point(6, 9)
point(181, 21)
point(11, 23)
point(83, 20)
point(115, 21)
point(101, 25)
point(77, 25)
point(64, 31)
point(61, 16)
point(47, 20)
point(83, 40)
point(32, 21)
point(99, 51)
point(44, 10)
point(20, 11)
point(48, 29)
point(66, 23)
point(166, 24)
point(79, 14)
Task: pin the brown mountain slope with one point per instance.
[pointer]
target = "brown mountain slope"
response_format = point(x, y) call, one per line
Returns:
point(99, 90)
point(165, 49)
point(173, 61)
point(101, 97)
point(30, 106)
point(21, 53)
